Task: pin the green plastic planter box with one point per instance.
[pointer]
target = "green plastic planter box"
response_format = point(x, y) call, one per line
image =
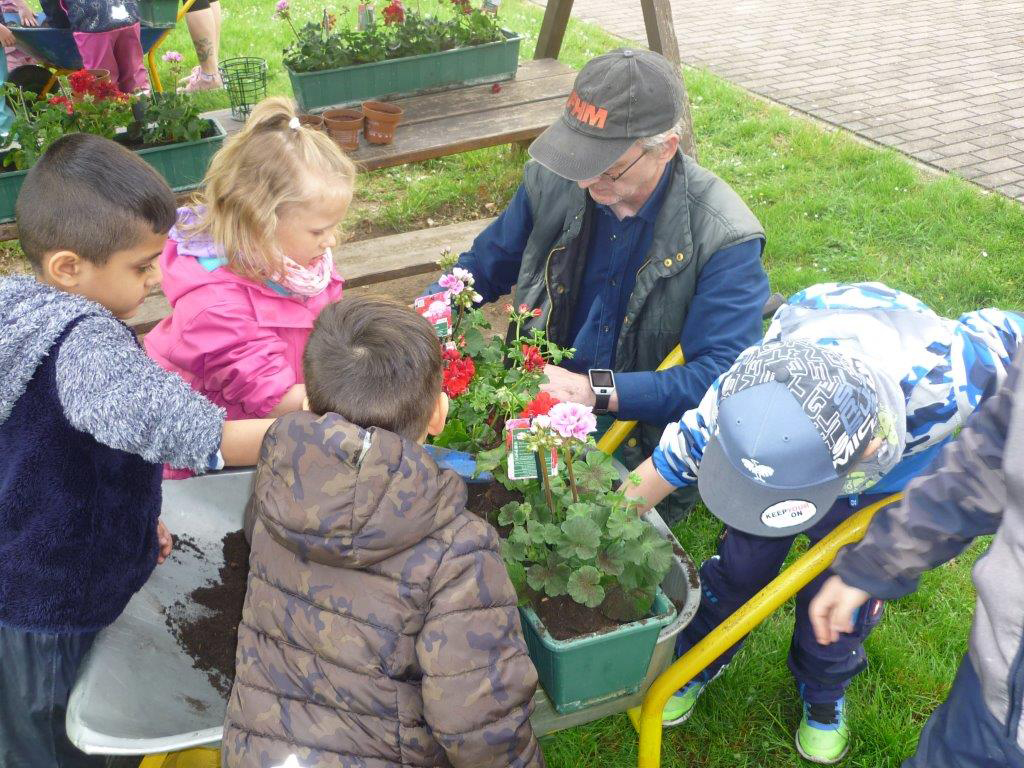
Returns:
point(185, 164)
point(158, 13)
point(182, 165)
point(486, 63)
point(587, 670)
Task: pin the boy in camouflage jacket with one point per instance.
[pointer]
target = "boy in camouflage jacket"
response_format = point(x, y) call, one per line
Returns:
point(380, 628)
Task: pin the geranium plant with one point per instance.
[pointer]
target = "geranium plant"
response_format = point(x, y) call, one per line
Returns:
point(171, 115)
point(573, 532)
point(489, 378)
point(323, 44)
point(577, 534)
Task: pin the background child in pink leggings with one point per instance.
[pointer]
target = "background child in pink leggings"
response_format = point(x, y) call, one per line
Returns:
point(107, 35)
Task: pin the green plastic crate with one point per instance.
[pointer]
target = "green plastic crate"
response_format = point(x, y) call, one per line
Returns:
point(158, 13)
point(184, 165)
point(402, 77)
point(585, 671)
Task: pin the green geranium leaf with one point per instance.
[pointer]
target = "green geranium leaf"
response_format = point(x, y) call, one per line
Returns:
point(582, 538)
point(596, 472)
point(453, 434)
point(659, 554)
point(475, 341)
point(551, 579)
point(513, 513)
point(611, 560)
point(488, 461)
point(514, 548)
point(624, 525)
point(584, 586)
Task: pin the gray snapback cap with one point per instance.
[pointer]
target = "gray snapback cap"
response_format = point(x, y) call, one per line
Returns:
point(793, 419)
point(619, 97)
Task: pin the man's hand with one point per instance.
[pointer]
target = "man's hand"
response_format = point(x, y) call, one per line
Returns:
point(166, 541)
point(567, 386)
point(832, 609)
point(6, 36)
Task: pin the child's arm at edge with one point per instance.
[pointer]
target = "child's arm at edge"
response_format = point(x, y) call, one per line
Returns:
point(963, 497)
point(110, 389)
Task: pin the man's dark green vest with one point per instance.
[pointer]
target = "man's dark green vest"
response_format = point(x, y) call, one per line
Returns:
point(700, 216)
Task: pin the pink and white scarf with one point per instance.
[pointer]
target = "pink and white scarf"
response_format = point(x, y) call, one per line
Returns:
point(305, 281)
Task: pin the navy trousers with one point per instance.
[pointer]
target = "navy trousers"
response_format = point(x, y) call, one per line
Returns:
point(37, 672)
point(743, 566)
point(962, 733)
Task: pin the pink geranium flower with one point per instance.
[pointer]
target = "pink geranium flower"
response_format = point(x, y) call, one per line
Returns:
point(572, 420)
point(172, 57)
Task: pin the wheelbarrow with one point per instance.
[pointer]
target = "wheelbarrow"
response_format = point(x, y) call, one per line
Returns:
point(138, 693)
point(56, 50)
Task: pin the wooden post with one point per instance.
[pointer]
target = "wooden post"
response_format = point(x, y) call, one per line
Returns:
point(552, 29)
point(661, 37)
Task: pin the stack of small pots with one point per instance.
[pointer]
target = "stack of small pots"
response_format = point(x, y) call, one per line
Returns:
point(376, 119)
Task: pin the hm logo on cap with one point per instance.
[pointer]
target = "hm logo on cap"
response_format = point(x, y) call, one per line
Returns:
point(586, 112)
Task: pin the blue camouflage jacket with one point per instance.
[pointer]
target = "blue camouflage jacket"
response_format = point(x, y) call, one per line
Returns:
point(944, 369)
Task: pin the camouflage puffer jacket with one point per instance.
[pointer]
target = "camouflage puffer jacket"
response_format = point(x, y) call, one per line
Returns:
point(380, 628)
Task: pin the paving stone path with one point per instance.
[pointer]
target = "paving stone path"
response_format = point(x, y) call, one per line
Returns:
point(941, 80)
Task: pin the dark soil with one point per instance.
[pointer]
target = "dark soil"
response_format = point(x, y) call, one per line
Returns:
point(210, 639)
point(486, 499)
point(565, 619)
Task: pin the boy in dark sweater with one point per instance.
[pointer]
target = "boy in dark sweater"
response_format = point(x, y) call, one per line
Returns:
point(86, 422)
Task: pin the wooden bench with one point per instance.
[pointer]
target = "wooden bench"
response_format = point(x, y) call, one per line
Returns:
point(364, 262)
point(462, 119)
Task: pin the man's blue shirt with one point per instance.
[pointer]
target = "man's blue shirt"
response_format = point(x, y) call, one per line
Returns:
point(724, 317)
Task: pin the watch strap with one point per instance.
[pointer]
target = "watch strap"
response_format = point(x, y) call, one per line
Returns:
point(601, 403)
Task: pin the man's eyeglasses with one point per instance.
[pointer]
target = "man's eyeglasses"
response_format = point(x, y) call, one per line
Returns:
point(625, 170)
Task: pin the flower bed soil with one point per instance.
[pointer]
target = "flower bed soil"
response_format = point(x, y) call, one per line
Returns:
point(210, 638)
point(563, 617)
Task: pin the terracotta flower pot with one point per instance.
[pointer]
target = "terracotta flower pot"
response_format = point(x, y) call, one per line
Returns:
point(101, 75)
point(381, 120)
point(343, 126)
point(316, 122)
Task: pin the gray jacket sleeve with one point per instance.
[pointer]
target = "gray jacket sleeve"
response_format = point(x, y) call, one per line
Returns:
point(110, 389)
point(961, 498)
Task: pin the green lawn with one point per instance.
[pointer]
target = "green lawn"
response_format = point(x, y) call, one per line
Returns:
point(833, 210)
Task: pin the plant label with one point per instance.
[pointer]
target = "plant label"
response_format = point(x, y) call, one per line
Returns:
point(438, 310)
point(522, 460)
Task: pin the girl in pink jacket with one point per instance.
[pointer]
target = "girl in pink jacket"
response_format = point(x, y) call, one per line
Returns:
point(248, 270)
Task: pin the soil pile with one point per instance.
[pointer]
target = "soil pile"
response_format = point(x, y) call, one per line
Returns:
point(209, 636)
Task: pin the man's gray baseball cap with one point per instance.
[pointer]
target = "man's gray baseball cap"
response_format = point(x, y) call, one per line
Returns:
point(794, 418)
point(622, 96)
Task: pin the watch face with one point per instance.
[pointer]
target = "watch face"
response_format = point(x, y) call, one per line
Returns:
point(601, 378)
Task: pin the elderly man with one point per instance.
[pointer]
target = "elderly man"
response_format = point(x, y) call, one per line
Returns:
point(629, 248)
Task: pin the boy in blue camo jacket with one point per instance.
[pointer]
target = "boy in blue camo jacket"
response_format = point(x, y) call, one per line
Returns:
point(853, 392)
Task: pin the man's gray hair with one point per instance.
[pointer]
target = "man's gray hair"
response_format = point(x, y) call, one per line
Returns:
point(652, 143)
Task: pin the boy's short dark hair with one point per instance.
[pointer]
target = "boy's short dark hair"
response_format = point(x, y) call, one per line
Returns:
point(89, 195)
point(375, 362)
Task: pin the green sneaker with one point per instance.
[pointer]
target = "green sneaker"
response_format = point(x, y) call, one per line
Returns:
point(680, 706)
point(823, 736)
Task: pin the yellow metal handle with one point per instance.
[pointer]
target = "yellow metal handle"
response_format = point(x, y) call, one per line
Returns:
point(737, 626)
point(619, 430)
point(154, 75)
point(197, 757)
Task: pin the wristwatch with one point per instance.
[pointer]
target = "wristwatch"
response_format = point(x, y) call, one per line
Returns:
point(602, 381)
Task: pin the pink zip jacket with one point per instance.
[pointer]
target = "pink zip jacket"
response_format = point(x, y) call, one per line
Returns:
point(236, 341)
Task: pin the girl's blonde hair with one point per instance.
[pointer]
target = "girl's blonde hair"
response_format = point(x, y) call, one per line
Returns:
point(259, 172)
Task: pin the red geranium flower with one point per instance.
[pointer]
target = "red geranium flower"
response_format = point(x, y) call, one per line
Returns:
point(458, 372)
point(61, 101)
point(533, 360)
point(539, 406)
point(394, 13)
point(82, 81)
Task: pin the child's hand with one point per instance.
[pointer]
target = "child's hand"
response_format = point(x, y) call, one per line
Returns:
point(6, 36)
point(833, 608)
point(26, 15)
point(166, 541)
